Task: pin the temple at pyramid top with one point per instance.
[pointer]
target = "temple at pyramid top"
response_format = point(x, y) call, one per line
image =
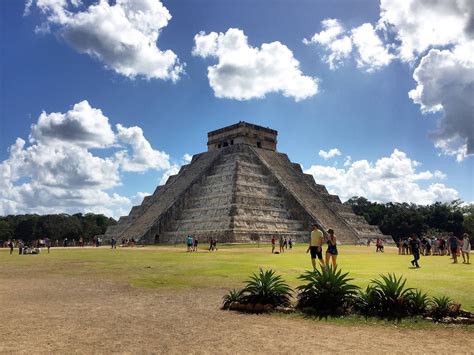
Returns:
point(240, 190)
point(242, 132)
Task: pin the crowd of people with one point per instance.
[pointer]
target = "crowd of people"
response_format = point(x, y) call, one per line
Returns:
point(441, 246)
point(283, 242)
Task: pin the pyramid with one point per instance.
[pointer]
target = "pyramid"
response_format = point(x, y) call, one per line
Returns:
point(241, 190)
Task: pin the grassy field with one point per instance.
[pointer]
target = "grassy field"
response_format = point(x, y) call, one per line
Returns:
point(172, 267)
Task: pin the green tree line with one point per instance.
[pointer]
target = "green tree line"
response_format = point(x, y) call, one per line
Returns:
point(54, 226)
point(404, 219)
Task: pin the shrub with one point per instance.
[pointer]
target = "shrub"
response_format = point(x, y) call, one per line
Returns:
point(418, 303)
point(266, 288)
point(391, 296)
point(366, 301)
point(233, 296)
point(326, 293)
point(443, 307)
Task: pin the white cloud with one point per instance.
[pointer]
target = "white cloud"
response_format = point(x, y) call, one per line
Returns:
point(56, 172)
point(361, 42)
point(389, 179)
point(421, 24)
point(334, 40)
point(372, 54)
point(445, 82)
point(82, 125)
point(330, 154)
point(123, 35)
point(143, 157)
point(244, 72)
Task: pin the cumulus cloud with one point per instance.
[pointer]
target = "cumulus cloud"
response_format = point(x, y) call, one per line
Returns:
point(372, 53)
point(334, 40)
point(421, 24)
point(389, 179)
point(143, 156)
point(123, 35)
point(445, 82)
point(56, 171)
point(330, 154)
point(362, 43)
point(244, 72)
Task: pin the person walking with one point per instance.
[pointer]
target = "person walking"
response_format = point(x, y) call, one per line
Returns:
point(290, 243)
point(113, 243)
point(453, 246)
point(316, 246)
point(332, 249)
point(466, 248)
point(415, 250)
point(10, 245)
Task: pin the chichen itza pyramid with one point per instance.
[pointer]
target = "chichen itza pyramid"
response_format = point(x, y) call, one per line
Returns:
point(240, 190)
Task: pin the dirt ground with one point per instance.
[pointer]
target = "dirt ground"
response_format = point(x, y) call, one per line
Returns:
point(41, 314)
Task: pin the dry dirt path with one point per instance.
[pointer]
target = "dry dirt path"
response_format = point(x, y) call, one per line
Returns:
point(47, 315)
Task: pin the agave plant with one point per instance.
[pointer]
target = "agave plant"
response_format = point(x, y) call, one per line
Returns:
point(392, 296)
point(326, 293)
point(441, 307)
point(366, 301)
point(266, 288)
point(232, 296)
point(418, 302)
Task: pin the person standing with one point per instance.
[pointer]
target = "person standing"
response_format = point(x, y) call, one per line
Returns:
point(453, 246)
point(316, 246)
point(113, 243)
point(10, 245)
point(332, 249)
point(290, 243)
point(415, 250)
point(466, 248)
point(189, 243)
point(282, 245)
point(273, 244)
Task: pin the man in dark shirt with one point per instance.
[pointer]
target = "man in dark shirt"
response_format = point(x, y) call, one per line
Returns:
point(453, 245)
point(415, 250)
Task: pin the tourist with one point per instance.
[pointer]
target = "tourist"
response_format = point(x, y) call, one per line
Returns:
point(214, 244)
point(195, 244)
point(285, 243)
point(368, 242)
point(211, 241)
point(453, 246)
point(315, 246)
point(379, 245)
point(189, 243)
point(113, 243)
point(466, 248)
point(332, 248)
point(273, 244)
point(282, 245)
point(428, 247)
point(415, 250)
point(290, 243)
point(48, 243)
point(10, 245)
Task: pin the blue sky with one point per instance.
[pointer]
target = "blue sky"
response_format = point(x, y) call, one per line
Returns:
point(55, 56)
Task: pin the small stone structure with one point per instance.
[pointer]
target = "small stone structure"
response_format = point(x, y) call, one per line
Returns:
point(241, 190)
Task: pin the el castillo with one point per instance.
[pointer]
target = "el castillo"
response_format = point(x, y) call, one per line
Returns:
point(241, 190)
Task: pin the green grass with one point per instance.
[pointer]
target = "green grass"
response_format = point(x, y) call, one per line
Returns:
point(172, 267)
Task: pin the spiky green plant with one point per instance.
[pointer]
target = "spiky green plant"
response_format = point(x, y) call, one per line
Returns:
point(392, 296)
point(232, 296)
point(266, 288)
point(366, 301)
point(440, 307)
point(326, 293)
point(418, 302)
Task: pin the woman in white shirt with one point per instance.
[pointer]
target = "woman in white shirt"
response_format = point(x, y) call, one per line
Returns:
point(466, 248)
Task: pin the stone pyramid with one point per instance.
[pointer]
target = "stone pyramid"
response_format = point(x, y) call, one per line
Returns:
point(241, 190)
